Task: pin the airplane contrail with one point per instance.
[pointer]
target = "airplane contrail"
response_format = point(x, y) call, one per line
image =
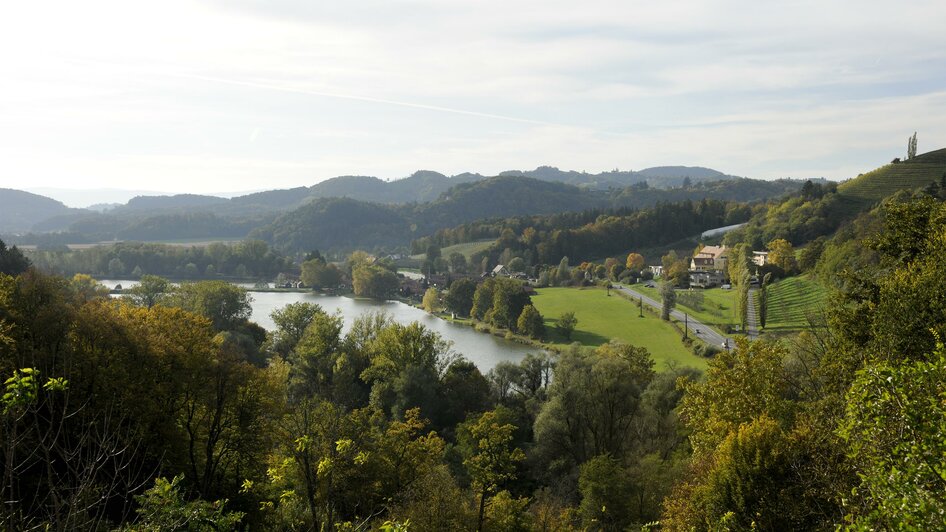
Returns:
point(285, 88)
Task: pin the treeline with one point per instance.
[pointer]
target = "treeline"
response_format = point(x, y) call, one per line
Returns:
point(247, 259)
point(545, 240)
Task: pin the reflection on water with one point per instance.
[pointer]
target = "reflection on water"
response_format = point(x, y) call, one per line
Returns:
point(482, 349)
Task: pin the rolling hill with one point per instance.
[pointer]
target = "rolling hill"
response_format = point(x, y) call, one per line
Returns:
point(20, 210)
point(865, 190)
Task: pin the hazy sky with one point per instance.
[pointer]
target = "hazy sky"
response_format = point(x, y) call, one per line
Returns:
point(194, 96)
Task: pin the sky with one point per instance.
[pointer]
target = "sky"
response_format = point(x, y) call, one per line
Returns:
point(239, 95)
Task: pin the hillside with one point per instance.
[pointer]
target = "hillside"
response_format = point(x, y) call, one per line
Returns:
point(821, 209)
point(20, 210)
point(867, 189)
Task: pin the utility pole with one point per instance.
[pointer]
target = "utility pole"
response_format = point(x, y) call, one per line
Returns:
point(641, 307)
point(686, 325)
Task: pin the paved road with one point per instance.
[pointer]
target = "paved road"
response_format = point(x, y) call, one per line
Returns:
point(705, 333)
point(752, 318)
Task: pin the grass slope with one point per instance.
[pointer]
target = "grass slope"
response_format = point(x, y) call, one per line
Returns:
point(466, 249)
point(866, 189)
point(601, 318)
point(791, 301)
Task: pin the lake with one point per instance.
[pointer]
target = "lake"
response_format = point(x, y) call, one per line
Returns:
point(482, 349)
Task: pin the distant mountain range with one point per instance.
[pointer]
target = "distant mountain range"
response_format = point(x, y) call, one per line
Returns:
point(305, 217)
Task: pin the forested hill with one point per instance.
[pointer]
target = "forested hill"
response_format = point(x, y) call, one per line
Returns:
point(323, 224)
point(329, 226)
point(20, 210)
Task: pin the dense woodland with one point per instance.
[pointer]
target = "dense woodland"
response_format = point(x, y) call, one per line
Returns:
point(307, 428)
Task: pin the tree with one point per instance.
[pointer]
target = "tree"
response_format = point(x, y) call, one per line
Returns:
point(457, 262)
point(164, 507)
point(516, 264)
point(12, 261)
point(116, 268)
point(911, 146)
point(375, 282)
point(291, 323)
point(489, 457)
point(459, 298)
point(431, 301)
point(226, 305)
point(782, 254)
point(317, 274)
point(635, 262)
point(764, 299)
point(894, 431)
point(563, 270)
point(530, 322)
point(668, 298)
point(605, 490)
point(594, 405)
point(566, 325)
point(149, 291)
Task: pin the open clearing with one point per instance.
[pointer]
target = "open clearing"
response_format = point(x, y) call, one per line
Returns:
point(601, 318)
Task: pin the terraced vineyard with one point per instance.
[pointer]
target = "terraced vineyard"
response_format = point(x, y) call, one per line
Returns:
point(863, 191)
point(791, 301)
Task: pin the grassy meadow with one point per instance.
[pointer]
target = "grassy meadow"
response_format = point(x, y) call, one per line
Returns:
point(713, 307)
point(601, 318)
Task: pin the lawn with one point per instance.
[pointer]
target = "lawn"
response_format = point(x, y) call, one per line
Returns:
point(713, 307)
point(791, 301)
point(601, 318)
point(467, 249)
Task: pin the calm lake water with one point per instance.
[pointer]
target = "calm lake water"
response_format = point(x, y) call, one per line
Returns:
point(482, 349)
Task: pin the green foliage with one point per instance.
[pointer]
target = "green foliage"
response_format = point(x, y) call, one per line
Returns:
point(149, 291)
point(668, 298)
point(12, 261)
point(605, 490)
point(459, 298)
point(490, 459)
point(317, 274)
point(374, 281)
point(227, 306)
point(255, 256)
point(431, 301)
point(894, 427)
point(164, 509)
point(565, 325)
point(530, 322)
point(592, 404)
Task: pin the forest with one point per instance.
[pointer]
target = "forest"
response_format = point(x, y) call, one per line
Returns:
point(168, 410)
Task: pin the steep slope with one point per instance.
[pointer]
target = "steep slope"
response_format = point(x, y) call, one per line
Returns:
point(20, 210)
point(867, 189)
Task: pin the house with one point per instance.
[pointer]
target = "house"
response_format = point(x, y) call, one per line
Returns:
point(708, 267)
point(500, 271)
point(760, 258)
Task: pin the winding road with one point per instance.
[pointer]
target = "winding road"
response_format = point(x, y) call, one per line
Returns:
point(696, 328)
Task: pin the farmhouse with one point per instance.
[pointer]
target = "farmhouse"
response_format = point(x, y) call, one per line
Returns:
point(708, 267)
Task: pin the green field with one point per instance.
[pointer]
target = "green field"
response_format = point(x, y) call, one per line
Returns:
point(791, 301)
point(713, 307)
point(466, 249)
point(601, 318)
